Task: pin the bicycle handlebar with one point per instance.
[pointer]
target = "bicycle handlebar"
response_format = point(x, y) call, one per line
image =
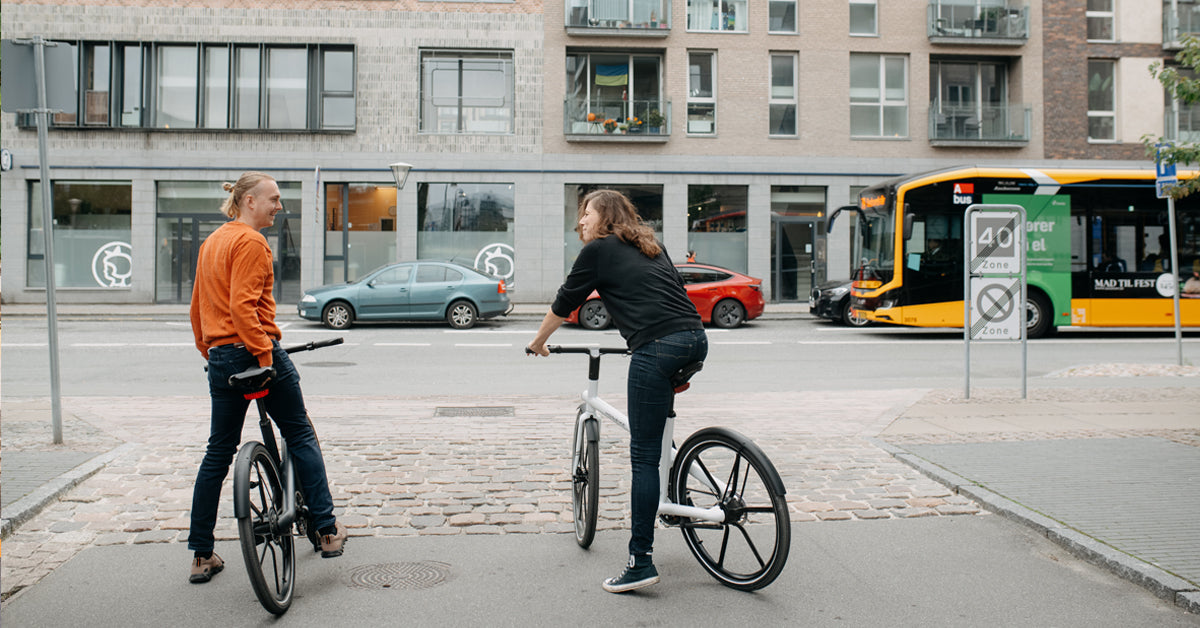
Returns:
point(587, 350)
point(316, 344)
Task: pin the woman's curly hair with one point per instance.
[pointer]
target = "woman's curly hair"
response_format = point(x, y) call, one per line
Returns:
point(619, 216)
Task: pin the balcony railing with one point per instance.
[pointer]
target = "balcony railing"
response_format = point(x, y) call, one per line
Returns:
point(601, 120)
point(965, 22)
point(1002, 125)
point(1180, 19)
point(619, 17)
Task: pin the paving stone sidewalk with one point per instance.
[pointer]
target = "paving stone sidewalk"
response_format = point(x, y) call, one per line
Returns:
point(400, 466)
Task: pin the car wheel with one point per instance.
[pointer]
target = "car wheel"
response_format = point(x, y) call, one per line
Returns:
point(461, 315)
point(337, 315)
point(728, 314)
point(852, 319)
point(594, 315)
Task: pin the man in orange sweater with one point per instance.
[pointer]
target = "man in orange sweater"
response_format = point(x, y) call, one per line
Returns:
point(233, 319)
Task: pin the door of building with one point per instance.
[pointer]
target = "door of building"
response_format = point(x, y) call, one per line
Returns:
point(180, 236)
point(793, 249)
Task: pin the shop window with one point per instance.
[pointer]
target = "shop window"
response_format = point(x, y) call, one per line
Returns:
point(360, 229)
point(91, 235)
point(470, 223)
point(647, 199)
point(717, 226)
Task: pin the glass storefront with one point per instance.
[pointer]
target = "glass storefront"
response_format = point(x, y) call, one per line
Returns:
point(648, 199)
point(469, 223)
point(717, 225)
point(360, 229)
point(797, 212)
point(91, 235)
point(188, 211)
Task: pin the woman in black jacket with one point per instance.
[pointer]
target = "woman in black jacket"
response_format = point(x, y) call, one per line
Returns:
point(644, 294)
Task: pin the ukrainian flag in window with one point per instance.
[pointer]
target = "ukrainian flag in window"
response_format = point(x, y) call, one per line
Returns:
point(612, 75)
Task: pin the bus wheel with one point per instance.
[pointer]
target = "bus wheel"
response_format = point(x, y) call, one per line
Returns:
point(1038, 316)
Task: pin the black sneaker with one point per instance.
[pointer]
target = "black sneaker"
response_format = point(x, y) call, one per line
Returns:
point(632, 578)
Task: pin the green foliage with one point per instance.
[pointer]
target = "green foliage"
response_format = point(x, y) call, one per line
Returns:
point(1186, 89)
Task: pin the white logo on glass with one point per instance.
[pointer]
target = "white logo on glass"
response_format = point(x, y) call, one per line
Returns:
point(497, 259)
point(112, 265)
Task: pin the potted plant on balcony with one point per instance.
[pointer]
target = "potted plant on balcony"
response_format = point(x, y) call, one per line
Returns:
point(610, 125)
point(654, 121)
point(633, 125)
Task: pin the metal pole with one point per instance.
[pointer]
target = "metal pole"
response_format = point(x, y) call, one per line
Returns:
point(1175, 279)
point(43, 120)
point(967, 302)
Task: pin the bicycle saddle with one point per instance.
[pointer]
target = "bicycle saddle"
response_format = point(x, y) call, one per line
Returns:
point(679, 381)
point(253, 379)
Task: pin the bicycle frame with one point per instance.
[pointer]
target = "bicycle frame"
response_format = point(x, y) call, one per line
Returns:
point(595, 406)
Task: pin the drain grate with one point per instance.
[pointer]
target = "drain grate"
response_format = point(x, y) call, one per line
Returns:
point(475, 411)
point(425, 574)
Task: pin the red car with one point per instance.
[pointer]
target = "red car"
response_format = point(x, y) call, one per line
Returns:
point(723, 297)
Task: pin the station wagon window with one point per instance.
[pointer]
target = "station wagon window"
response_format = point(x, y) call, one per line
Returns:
point(397, 274)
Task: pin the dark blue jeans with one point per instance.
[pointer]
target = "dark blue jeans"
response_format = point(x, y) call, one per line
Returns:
point(650, 399)
point(285, 405)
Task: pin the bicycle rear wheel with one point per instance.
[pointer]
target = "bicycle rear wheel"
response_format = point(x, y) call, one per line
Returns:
point(585, 483)
point(268, 549)
point(717, 467)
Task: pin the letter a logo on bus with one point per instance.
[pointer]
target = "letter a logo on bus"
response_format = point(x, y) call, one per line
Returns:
point(963, 192)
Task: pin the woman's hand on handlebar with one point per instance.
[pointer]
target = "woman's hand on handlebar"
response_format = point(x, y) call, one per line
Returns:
point(536, 348)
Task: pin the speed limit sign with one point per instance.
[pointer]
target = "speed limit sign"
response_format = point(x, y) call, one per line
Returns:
point(997, 242)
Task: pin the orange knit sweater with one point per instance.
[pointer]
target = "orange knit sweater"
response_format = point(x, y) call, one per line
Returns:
point(231, 297)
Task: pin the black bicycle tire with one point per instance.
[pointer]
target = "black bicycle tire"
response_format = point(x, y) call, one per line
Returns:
point(254, 462)
point(769, 486)
point(585, 484)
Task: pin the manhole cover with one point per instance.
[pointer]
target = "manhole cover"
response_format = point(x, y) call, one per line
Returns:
point(410, 576)
point(328, 364)
point(475, 411)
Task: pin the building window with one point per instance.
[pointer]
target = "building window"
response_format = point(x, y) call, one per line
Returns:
point(864, 17)
point(91, 234)
point(647, 199)
point(717, 15)
point(1100, 17)
point(782, 16)
point(782, 103)
point(613, 86)
point(360, 229)
point(466, 92)
point(717, 225)
point(968, 99)
point(468, 222)
point(702, 95)
point(878, 95)
point(1102, 115)
point(187, 86)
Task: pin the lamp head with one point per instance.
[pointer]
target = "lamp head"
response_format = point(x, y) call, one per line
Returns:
point(400, 173)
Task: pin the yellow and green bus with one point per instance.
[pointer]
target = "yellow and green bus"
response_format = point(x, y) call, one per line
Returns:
point(1097, 247)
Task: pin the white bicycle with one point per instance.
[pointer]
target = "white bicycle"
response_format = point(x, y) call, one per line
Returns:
point(719, 488)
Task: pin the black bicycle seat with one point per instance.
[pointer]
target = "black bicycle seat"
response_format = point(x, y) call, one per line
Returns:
point(679, 381)
point(253, 379)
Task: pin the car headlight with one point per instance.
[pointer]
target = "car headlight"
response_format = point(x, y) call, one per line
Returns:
point(839, 291)
point(308, 298)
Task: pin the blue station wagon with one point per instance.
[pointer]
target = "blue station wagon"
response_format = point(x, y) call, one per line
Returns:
point(409, 291)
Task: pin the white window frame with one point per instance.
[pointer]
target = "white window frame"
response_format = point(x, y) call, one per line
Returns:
point(706, 101)
point(795, 17)
point(1110, 15)
point(696, 8)
point(774, 99)
point(874, 4)
point(883, 102)
point(1103, 113)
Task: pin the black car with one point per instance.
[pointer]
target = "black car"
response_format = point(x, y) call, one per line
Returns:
point(832, 300)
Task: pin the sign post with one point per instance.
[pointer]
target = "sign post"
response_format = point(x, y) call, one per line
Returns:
point(994, 281)
point(1164, 180)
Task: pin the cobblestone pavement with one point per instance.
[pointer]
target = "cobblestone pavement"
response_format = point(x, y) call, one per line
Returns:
point(400, 466)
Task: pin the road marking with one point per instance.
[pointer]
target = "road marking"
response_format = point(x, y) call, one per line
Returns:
point(489, 331)
point(402, 344)
point(481, 344)
point(744, 342)
point(319, 330)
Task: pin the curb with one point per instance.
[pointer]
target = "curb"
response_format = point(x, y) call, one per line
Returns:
point(30, 505)
point(1162, 584)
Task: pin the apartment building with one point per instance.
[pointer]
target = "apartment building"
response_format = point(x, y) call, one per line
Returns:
point(737, 126)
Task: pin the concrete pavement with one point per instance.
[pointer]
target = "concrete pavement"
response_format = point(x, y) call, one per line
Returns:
point(455, 469)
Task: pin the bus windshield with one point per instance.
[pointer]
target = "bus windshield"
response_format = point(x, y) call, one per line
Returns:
point(877, 239)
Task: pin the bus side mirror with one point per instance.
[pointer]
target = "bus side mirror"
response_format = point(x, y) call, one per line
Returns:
point(908, 225)
point(838, 211)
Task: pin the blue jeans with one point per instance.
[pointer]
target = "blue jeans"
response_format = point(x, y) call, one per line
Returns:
point(651, 398)
point(285, 405)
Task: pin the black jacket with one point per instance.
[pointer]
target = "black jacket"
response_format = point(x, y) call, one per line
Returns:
point(644, 296)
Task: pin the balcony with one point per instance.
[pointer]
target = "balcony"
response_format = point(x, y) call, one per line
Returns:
point(1000, 126)
point(627, 121)
point(1179, 22)
point(624, 18)
point(965, 23)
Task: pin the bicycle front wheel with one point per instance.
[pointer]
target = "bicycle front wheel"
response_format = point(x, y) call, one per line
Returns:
point(720, 468)
point(585, 482)
point(268, 549)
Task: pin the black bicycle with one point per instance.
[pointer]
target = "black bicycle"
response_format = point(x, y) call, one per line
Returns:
point(267, 501)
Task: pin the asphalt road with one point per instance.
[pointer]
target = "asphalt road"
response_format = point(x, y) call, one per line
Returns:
point(156, 357)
